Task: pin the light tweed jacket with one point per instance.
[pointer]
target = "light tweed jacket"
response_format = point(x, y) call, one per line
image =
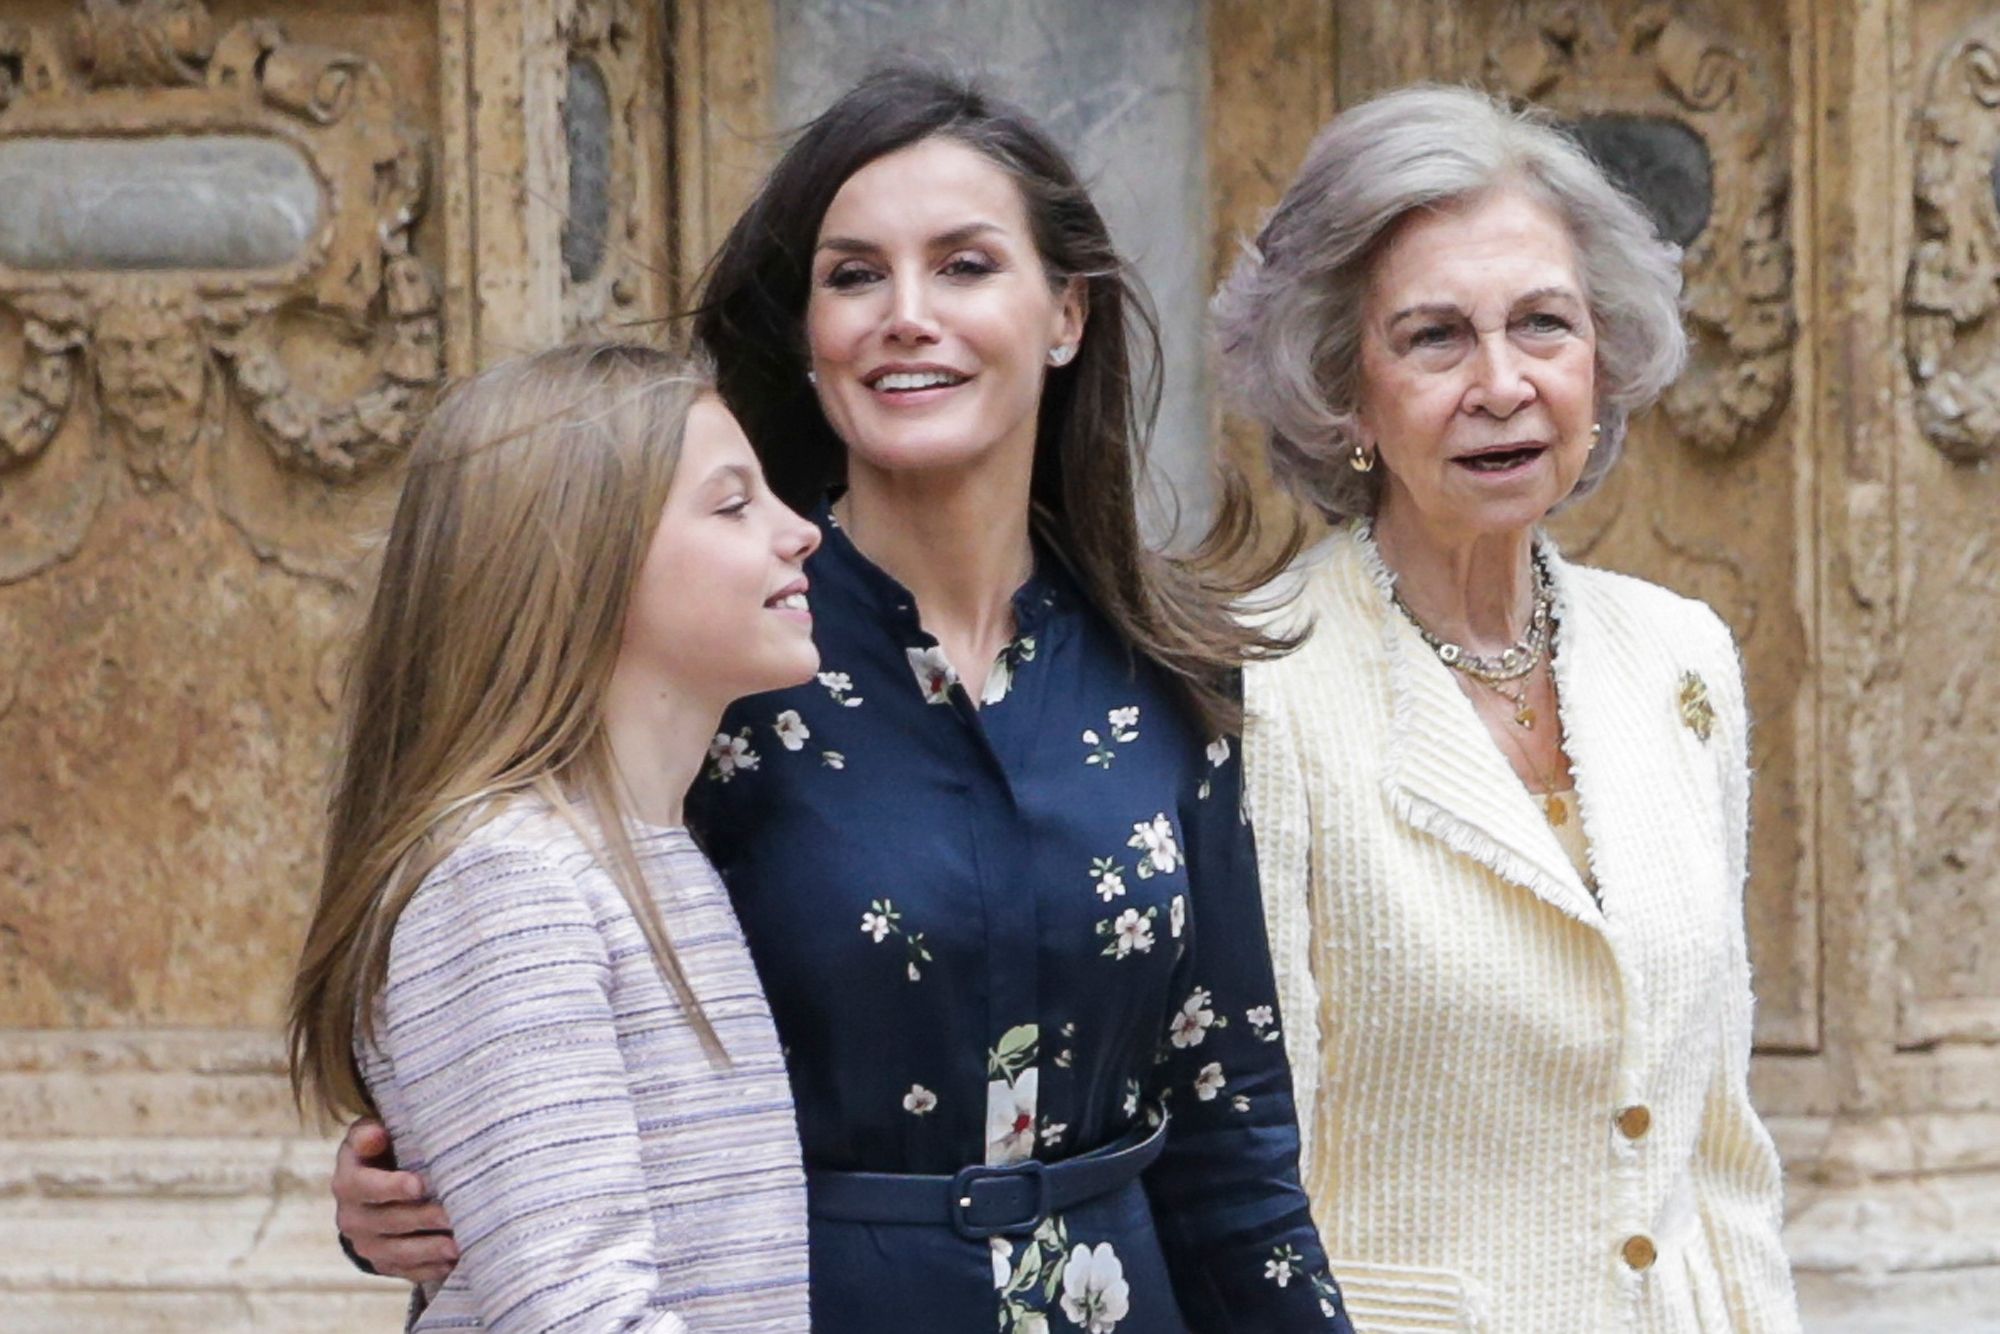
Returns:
point(1473, 1039)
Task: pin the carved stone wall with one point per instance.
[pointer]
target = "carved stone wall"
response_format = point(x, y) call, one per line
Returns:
point(241, 244)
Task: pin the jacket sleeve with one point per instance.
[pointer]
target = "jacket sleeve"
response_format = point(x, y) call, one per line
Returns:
point(497, 1025)
point(1278, 800)
point(1233, 1218)
point(1738, 1183)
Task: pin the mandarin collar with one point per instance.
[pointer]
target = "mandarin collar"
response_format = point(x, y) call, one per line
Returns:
point(843, 567)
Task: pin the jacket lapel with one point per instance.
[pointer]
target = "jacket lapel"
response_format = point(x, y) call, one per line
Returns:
point(1445, 776)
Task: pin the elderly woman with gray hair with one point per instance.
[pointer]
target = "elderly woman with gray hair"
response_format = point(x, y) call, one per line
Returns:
point(1501, 800)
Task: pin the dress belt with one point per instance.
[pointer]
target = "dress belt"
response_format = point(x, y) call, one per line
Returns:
point(979, 1202)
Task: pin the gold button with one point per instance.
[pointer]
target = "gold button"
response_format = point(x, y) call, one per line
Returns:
point(1640, 1252)
point(1635, 1121)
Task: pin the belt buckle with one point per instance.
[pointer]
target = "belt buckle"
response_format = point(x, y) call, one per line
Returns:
point(965, 1194)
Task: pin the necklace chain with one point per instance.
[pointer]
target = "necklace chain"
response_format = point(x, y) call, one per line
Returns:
point(1510, 664)
point(1506, 674)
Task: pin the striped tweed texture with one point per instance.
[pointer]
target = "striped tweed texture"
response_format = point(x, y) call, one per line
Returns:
point(600, 1172)
point(1522, 1113)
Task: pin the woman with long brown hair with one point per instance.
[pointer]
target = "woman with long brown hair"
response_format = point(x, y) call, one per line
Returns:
point(991, 863)
point(519, 958)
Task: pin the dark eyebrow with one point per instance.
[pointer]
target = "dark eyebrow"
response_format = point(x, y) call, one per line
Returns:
point(1437, 310)
point(1544, 293)
point(957, 236)
point(1446, 310)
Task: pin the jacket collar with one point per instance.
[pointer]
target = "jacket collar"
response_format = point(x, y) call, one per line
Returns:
point(1443, 774)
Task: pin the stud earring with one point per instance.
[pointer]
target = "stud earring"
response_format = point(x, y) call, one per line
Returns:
point(1596, 433)
point(1360, 459)
point(812, 378)
point(1060, 354)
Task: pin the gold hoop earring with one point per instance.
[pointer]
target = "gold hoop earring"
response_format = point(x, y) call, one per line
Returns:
point(1360, 459)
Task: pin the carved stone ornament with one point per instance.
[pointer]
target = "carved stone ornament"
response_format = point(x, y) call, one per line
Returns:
point(605, 226)
point(1664, 64)
point(1952, 299)
point(178, 211)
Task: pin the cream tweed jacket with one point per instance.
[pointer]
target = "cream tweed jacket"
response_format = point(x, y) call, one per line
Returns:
point(1521, 1114)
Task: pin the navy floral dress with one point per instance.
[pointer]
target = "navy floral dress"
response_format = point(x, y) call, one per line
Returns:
point(1012, 931)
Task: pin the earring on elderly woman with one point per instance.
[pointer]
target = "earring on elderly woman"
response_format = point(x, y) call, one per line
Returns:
point(1060, 354)
point(1360, 459)
point(1596, 433)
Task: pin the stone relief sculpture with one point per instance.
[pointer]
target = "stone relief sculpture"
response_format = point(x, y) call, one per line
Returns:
point(1953, 291)
point(607, 127)
point(180, 211)
point(1638, 89)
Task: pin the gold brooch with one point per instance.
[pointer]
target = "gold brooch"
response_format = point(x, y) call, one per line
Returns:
point(1696, 711)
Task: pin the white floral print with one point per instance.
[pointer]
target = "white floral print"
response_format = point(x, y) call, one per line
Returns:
point(1281, 1266)
point(791, 729)
point(1209, 1081)
point(840, 685)
point(1240, 1103)
point(1160, 851)
point(1177, 916)
point(1032, 1277)
point(1010, 1118)
point(727, 755)
point(1003, 1261)
point(1218, 752)
point(1095, 1295)
point(880, 920)
point(1124, 723)
point(883, 920)
point(1192, 1022)
point(999, 680)
point(1261, 1018)
point(1110, 881)
point(919, 1101)
point(1132, 933)
point(1131, 1103)
point(1011, 1095)
point(1053, 1132)
point(1000, 676)
point(934, 672)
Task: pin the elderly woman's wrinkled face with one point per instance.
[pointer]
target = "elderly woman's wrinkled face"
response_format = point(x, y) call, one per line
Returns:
point(1478, 367)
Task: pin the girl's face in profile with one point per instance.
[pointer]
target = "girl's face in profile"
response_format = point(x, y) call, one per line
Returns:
point(719, 609)
point(931, 315)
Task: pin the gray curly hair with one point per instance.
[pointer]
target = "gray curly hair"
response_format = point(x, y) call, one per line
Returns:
point(1288, 318)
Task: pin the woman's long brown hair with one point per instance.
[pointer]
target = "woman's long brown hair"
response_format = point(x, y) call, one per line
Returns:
point(531, 498)
point(1096, 413)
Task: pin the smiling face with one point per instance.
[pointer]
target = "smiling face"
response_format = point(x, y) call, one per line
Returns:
point(1478, 367)
point(931, 315)
point(719, 606)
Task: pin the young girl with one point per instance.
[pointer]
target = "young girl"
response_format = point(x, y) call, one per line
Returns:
point(519, 957)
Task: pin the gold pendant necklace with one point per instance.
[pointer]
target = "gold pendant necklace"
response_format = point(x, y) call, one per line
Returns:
point(1524, 712)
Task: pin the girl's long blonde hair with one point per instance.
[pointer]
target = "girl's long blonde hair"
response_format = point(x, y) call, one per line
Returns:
point(531, 498)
